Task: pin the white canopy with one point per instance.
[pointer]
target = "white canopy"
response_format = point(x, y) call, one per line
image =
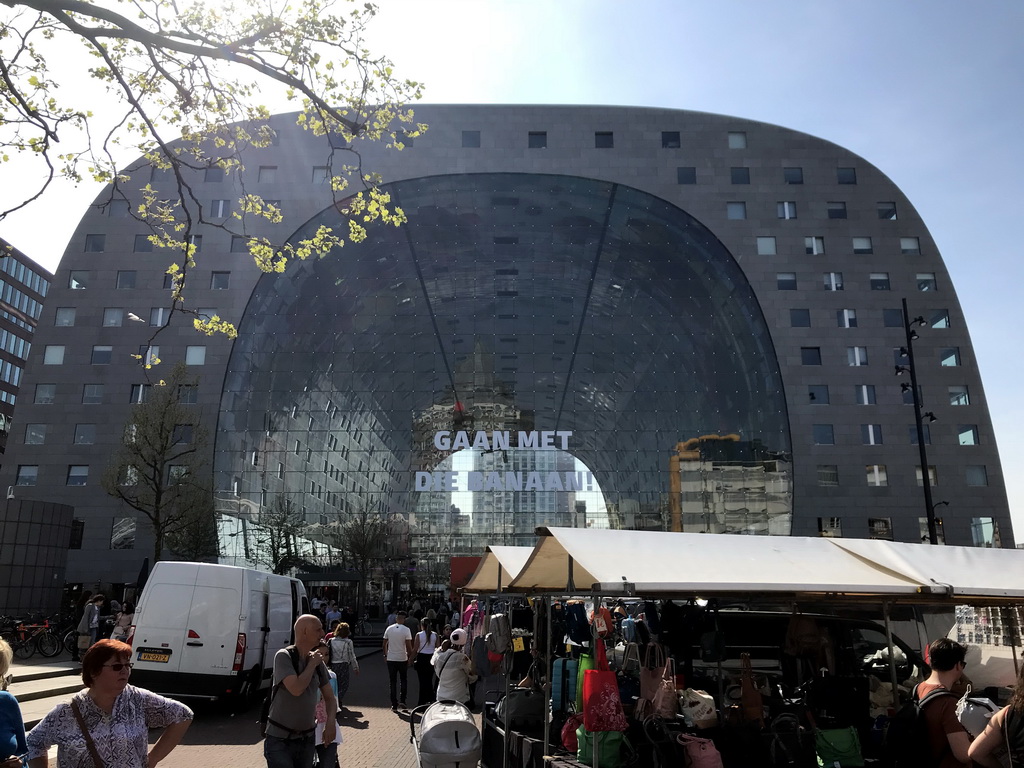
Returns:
point(498, 567)
point(658, 563)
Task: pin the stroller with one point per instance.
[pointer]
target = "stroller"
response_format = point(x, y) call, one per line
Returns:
point(448, 736)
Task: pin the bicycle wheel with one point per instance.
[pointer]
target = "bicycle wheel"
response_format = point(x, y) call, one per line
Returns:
point(71, 641)
point(48, 644)
point(24, 649)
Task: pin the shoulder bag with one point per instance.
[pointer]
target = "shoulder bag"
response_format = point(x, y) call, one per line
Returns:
point(602, 708)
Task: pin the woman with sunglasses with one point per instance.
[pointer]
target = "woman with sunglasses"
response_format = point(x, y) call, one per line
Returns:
point(108, 722)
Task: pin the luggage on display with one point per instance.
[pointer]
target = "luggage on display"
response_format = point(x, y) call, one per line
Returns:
point(499, 634)
point(563, 684)
point(448, 736)
point(521, 708)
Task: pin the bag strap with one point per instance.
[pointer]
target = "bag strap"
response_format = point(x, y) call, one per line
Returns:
point(659, 656)
point(670, 672)
point(445, 663)
point(89, 743)
point(600, 656)
point(631, 649)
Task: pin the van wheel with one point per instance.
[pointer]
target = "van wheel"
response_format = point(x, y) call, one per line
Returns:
point(249, 692)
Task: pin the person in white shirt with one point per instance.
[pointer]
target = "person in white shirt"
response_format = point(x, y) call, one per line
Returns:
point(454, 669)
point(398, 654)
point(423, 651)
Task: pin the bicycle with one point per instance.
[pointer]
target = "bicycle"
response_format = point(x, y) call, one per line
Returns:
point(363, 627)
point(29, 638)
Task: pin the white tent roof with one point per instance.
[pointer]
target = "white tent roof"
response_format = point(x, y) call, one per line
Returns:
point(505, 562)
point(655, 562)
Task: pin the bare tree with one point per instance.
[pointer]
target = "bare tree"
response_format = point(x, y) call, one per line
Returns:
point(362, 537)
point(276, 534)
point(196, 537)
point(160, 468)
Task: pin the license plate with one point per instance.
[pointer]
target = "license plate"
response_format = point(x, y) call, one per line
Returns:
point(163, 658)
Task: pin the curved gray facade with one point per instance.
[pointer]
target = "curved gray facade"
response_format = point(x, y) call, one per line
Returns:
point(709, 305)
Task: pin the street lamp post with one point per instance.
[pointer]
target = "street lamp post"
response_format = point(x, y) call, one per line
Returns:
point(926, 481)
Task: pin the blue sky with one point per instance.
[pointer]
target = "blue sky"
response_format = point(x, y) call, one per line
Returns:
point(927, 90)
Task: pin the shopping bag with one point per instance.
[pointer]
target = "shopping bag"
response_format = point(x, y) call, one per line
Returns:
point(602, 708)
point(609, 747)
point(652, 671)
point(569, 740)
point(700, 753)
point(586, 661)
point(838, 747)
point(665, 704)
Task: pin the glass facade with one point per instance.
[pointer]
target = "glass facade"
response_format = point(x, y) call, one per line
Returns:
point(586, 316)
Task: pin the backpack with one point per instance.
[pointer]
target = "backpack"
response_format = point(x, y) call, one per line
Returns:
point(265, 707)
point(499, 634)
point(906, 735)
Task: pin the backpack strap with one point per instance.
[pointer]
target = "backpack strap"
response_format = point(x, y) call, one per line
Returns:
point(293, 654)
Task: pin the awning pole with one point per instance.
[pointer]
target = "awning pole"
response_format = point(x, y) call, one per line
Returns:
point(892, 657)
point(543, 646)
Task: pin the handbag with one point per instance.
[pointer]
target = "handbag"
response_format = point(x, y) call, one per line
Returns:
point(652, 671)
point(838, 747)
point(609, 747)
point(569, 740)
point(699, 707)
point(521, 706)
point(751, 704)
point(586, 661)
point(665, 702)
point(83, 642)
point(700, 753)
point(602, 708)
point(89, 743)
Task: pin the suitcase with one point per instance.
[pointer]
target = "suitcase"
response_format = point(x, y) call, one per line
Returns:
point(563, 684)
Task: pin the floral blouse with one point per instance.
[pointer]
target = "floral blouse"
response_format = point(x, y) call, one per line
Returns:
point(121, 738)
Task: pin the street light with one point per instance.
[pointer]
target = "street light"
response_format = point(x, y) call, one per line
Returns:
point(926, 480)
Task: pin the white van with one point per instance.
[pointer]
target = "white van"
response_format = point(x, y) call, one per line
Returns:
point(211, 631)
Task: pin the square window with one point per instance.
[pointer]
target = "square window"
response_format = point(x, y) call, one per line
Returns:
point(126, 279)
point(219, 209)
point(739, 175)
point(814, 245)
point(736, 210)
point(817, 394)
point(926, 281)
point(828, 474)
point(846, 318)
point(195, 355)
point(214, 175)
point(871, 434)
point(197, 242)
point(933, 477)
point(92, 394)
point(28, 474)
point(143, 244)
point(766, 246)
point(786, 281)
point(78, 474)
point(833, 281)
point(864, 394)
point(886, 211)
point(158, 316)
point(239, 244)
point(35, 434)
point(823, 434)
point(857, 356)
point(604, 140)
point(122, 533)
point(220, 281)
point(113, 317)
point(78, 280)
point(939, 318)
point(800, 318)
point(949, 357)
point(879, 281)
point(537, 139)
point(188, 394)
point(967, 434)
point(958, 395)
point(892, 318)
point(862, 245)
point(670, 140)
point(169, 282)
point(45, 394)
point(926, 432)
point(207, 313)
point(686, 174)
point(910, 246)
point(53, 354)
point(64, 317)
point(810, 355)
point(471, 139)
point(876, 475)
point(85, 434)
point(846, 175)
point(101, 354)
point(830, 527)
point(183, 433)
point(786, 210)
point(984, 532)
point(95, 243)
point(793, 175)
point(737, 140)
point(880, 528)
point(140, 393)
point(976, 475)
point(321, 174)
point(836, 210)
point(268, 174)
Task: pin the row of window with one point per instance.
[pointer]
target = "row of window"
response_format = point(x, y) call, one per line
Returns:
point(876, 475)
point(93, 394)
point(847, 318)
point(766, 246)
point(787, 209)
point(871, 434)
point(864, 394)
point(78, 474)
point(85, 434)
point(877, 281)
point(114, 317)
point(79, 280)
point(15, 344)
point(856, 356)
point(984, 533)
point(25, 275)
point(103, 354)
point(14, 297)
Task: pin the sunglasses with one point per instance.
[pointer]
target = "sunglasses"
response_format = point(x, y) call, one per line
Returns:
point(119, 666)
